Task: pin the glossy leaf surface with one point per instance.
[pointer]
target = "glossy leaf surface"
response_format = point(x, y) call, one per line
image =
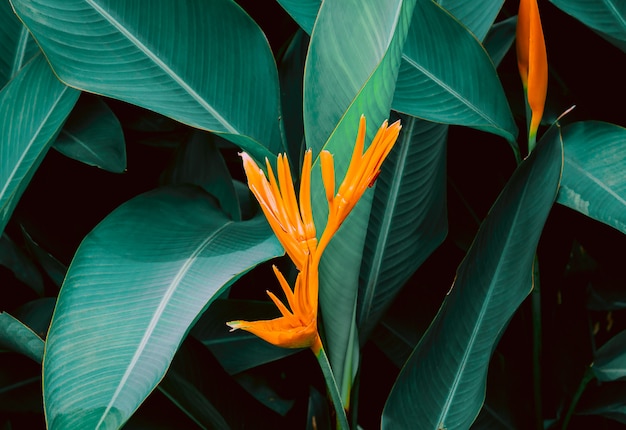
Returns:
point(93, 135)
point(431, 84)
point(16, 45)
point(33, 107)
point(350, 70)
point(139, 280)
point(17, 337)
point(408, 219)
point(608, 17)
point(442, 385)
point(184, 60)
point(593, 174)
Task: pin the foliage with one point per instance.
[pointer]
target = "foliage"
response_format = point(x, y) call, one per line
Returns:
point(477, 283)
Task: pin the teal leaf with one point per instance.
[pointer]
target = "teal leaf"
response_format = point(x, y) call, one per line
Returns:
point(23, 268)
point(16, 45)
point(607, 18)
point(136, 285)
point(303, 12)
point(350, 70)
point(446, 76)
point(408, 218)
point(199, 162)
point(184, 60)
point(593, 176)
point(610, 359)
point(14, 335)
point(33, 107)
point(93, 135)
point(478, 17)
point(500, 38)
point(442, 385)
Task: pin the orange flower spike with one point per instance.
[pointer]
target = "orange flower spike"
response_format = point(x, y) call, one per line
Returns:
point(296, 328)
point(294, 227)
point(532, 62)
point(362, 171)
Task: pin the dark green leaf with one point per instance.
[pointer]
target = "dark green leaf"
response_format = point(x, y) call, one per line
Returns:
point(408, 218)
point(607, 18)
point(136, 284)
point(33, 107)
point(593, 175)
point(93, 135)
point(446, 76)
point(184, 60)
point(442, 385)
point(17, 337)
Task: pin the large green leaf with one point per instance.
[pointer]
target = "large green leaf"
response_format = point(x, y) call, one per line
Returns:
point(609, 363)
point(442, 385)
point(350, 70)
point(33, 107)
point(476, 16)
point(206, 64)
point(448, 77)
point(16, 45)
point(408, 218)
point(593, 175)
point(93, 135)
point(607, 17)
point(136, 284)
point(17, 337)
point(304, 12)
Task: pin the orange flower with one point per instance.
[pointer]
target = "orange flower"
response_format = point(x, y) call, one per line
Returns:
point(294, 227)
point(362, 172)
point(296, 328)
point(532, 62)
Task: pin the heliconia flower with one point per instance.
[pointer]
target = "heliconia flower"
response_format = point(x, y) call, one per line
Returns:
point(296, 328)
point(532, 62)
point(292, 223)
point(363, 170)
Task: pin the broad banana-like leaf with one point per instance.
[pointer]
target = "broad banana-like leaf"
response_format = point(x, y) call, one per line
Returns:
point(500, 38)
point(304, 12)
point(33, 107)
point(14, 335)
point(291, 71)
point(93, 135)
point(448, 77)
point(137, 283)
point(199, 162)
point(593, 175)
point(24, 269)
point(206, 64)
point(442, 385)
point(609, 363)
point(607, 18)
point(16, 45)
point(408, 218)
point(478, 17)
point(350, 70)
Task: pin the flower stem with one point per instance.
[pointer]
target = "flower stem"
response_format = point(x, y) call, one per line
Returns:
point(333, 390)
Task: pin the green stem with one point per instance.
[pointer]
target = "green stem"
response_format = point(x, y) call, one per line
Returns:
point(333, 390)
point(587, 377)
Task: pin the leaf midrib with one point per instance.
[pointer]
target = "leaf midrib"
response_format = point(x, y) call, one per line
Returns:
point(164, 67)
point(462, 364)
point(157, 314)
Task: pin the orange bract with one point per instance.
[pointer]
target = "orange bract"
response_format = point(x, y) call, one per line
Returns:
point(532, 61)
point(292, 222)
